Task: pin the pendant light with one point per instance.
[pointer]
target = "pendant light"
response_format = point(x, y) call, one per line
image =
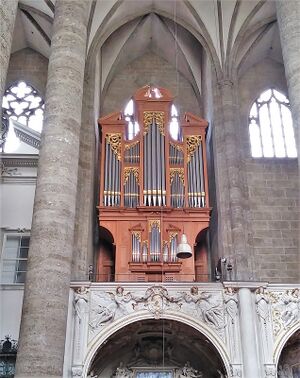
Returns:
point(184, 250)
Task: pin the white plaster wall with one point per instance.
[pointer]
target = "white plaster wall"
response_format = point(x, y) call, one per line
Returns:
point(16, 205)
point(11, 300)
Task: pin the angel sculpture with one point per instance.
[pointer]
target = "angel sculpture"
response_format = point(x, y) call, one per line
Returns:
point(102, 316)
point(211, 312)
point(291, 301)
point(123, 372)
point(120, 299)
point(188, 372)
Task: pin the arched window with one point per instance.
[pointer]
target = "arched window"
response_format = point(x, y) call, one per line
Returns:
point(174, 124)
point(22, 103)
point(133, 126)
point(271, 126)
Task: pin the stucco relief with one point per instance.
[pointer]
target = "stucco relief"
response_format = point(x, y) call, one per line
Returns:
point(285, 309)
point(107, 306)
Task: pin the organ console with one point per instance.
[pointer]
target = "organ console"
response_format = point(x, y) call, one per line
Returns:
point(153, 187)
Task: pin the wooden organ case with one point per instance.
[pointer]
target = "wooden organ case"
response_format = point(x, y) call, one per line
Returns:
point(152, 189)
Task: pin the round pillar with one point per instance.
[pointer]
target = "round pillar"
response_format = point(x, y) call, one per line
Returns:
point(8, 11)
point(45, 306)
point(288, 17)
point(248, 337)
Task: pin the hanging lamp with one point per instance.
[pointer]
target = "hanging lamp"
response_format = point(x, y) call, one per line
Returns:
point(184, 250)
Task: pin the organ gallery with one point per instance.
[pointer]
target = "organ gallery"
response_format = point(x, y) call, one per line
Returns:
point(153, 189)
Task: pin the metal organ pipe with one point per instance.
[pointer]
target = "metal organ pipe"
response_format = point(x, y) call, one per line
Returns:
point(154, 162)
point(148, 166)
point(196, 173)
point(145, 169)
point(106, 174)
point(202, 188)
point(159, 169)
point(163, 170)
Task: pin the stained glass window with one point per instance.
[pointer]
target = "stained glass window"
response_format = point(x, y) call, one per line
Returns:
point(271, 126)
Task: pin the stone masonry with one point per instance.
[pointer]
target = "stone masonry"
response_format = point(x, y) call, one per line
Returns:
point(8, 11)
point(42, 340)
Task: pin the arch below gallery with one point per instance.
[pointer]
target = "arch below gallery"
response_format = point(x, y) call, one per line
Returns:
point(157, 332)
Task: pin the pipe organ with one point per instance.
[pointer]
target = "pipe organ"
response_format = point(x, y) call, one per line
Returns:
point(152, 189)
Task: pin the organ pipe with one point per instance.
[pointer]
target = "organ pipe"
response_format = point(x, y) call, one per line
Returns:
point(152, 170)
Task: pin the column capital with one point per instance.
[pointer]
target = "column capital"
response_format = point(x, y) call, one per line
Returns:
point(251, 285)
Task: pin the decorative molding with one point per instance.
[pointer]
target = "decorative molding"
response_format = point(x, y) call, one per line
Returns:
point(107, 306)
point(285, 309)
point(28, 139)
point(5, 171)
point(16, 160)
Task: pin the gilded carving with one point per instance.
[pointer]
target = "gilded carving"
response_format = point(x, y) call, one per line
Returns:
point(115, 143)
point(177, 171)
point(192, 142)
point(131, 145)
point(154, 223)
point(137, 234)
point(172, 235)
point(158, 118)
point(128, 171)
point(177, 146)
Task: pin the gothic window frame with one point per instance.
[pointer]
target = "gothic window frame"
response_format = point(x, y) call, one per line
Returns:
point(270, 126)
point(30, 96)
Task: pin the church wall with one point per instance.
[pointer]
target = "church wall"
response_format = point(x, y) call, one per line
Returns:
point(149, 68)
point(12, 298)
point(272, 188)
point(30, 66)
point(17, 204)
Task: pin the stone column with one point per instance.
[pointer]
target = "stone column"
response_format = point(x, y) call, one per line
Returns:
point(229, 169)
point(248, 337)
point(8, 11)
point(288, 17)
point(85, 204)
point(43, 325)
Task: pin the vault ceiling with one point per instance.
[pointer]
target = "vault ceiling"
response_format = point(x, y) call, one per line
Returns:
point(232, 32)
